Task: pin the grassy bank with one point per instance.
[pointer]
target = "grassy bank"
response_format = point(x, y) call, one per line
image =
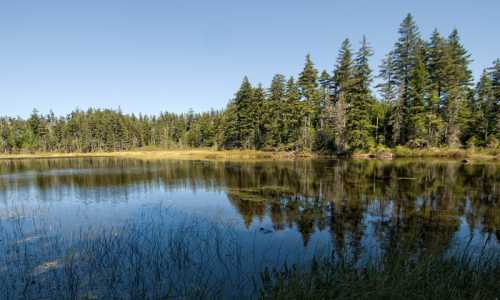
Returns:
point(444, 152)
point(182, 154)
point(241, 155)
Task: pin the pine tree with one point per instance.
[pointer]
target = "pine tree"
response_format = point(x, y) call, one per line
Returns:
point(405, 49)
point(495, 83)
point(388, 90)
point(396, 118)
point(436, 63)
point(293, 112)
point(275, 107)
point(228, 136)
point(245, 114)
point(417, 89)
point(361, 101)
point(484, 109)
point(404, 61)
point(342, 88)
point(259, 101)
point(308, 83)
point(458, 82)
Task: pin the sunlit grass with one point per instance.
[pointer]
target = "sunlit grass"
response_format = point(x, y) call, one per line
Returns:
point(177, 154)
point(156, 153)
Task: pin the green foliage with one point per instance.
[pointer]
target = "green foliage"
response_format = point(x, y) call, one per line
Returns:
point(416, 126)
point(359, 124)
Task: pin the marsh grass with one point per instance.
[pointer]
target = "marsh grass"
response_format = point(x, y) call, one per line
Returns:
point(159, 257)
point(380, 152)
point(452, 153)
point(147, 259)
point(395, 275)
point(175, 154)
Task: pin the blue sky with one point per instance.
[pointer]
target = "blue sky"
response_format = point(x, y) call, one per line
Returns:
point(150, 56)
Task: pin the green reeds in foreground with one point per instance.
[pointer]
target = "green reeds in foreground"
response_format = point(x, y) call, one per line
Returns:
point(396, 276)
point(155, 258)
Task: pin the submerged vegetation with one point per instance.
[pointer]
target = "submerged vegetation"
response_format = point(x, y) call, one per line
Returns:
point(155, 258)
point(426, 98)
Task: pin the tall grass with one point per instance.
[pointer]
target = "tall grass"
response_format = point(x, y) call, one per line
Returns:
point(154, 257)
point(150, 258)
point(395, 276)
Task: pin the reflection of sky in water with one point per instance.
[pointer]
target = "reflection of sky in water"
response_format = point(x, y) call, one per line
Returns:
point(71, 194)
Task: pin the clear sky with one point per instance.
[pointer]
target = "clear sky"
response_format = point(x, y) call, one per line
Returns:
point(149, 56)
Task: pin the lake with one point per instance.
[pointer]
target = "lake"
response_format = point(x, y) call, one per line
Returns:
point(167, 226)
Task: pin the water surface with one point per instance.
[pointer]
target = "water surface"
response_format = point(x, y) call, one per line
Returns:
point(277, 210)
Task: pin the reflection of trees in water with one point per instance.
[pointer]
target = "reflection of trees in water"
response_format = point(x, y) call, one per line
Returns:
point(418, 201)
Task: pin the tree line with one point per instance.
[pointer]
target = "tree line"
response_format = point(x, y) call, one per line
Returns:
point(426, 97)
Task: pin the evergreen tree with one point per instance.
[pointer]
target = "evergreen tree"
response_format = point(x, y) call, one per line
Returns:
point(405, 49)
point(436, 63)
point(228, 136)
point(484, 109)
point(388, 90)
point(342, 93)
point(495, 83)
point(245, 115)
point(361, 100)
point(458, 82)
point(308, 84)
point(416, 122)
point(259, 101)
point(276, 105)
point(396, 118)
point(404, 61)
point(293, 112)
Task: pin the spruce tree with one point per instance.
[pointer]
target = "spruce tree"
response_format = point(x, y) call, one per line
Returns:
point(388, 87)
point(293, 112)
point(274, 110)
point(396, 117)
point(458, 78)
point(484, 109)
point(416, 122)
point(404, 61)
point(245, 113)
point(259, 101)
point(495, 83)
point(342, 93)
point(405, 49)
point(388, 90)
point(436, 63)
point(308, 83)
point(361, 100)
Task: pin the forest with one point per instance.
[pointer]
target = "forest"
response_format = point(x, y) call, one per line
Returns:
point(423, 95)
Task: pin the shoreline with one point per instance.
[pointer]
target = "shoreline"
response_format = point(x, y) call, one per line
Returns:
point(158, 154)
point(464, 155)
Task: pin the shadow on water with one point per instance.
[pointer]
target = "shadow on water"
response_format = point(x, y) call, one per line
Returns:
point(358, 210)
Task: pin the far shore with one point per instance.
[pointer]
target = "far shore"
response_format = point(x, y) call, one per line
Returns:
point(177, 154)
point(464, 155)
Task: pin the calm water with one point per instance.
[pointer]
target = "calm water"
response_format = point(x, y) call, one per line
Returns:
point(348, 203)
point(287, 209)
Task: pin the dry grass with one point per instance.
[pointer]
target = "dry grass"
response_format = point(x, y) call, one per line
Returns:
point(478, 154)
point(182, 154)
